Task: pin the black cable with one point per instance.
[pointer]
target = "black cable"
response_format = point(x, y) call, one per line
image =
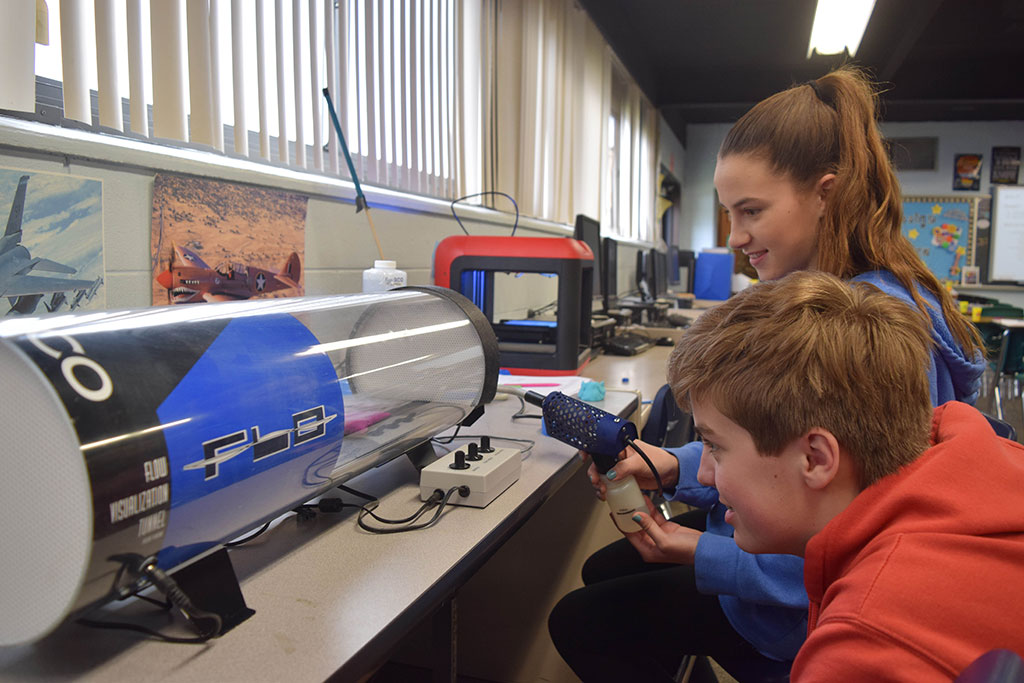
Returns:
point(480, 194)
point(180, 599)
point(358, 494)
point(450, 438)
point(235, 544)
point(654, 471)
point(522, 414)
point(462, 490)
point(427, 504)
point(534, 312)
point(207, 624)
point(439, 499)
point(126, 626)
point(530, 443)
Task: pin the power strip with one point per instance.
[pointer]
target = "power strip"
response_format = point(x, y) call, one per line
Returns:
point(486, 478)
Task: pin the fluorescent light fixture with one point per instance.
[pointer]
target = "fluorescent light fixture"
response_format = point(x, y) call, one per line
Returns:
point(839, 24)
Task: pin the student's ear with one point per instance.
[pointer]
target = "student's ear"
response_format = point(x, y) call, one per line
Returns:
point(823, 188)
point(825, 184)
point(821, 458)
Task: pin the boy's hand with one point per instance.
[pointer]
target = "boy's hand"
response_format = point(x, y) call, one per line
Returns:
point(630, 463)
point(663, 541)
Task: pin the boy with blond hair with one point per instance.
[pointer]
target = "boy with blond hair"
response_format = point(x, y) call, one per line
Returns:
point(811, 397)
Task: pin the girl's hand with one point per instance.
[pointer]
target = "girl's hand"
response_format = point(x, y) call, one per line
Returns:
point(661, 540)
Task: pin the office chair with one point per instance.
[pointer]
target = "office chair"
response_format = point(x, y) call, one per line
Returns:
point(1009, 364)
point(1001, 427)
point(667, 426)
point(995, 666)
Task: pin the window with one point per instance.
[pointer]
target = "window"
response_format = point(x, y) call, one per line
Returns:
point(257, 70)
point(436, 97)
point(630, 160)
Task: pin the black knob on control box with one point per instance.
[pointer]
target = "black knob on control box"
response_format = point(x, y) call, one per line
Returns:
point(460, 461)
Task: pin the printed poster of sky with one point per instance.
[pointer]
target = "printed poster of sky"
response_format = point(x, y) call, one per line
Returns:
point(62, 222)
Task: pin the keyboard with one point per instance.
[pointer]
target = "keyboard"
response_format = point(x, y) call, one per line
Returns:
point(627, 344)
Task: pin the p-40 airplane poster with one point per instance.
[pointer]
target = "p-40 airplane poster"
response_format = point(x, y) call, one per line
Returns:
point(218, 241)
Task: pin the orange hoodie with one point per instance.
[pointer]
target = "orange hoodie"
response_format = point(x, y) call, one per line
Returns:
point(924, 571)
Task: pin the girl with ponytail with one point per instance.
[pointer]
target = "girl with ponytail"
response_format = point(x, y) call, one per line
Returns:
point(808, 185)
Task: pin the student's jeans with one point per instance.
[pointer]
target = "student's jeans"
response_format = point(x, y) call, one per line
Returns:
point(634, 621)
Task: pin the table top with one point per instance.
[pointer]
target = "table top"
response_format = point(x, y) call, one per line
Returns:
point(330, 599)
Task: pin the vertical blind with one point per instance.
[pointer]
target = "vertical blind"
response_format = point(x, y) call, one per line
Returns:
point(436, 97)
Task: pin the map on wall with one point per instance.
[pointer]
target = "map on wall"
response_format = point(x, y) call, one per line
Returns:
point(941, 229)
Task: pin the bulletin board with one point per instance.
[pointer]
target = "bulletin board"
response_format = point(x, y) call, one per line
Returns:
point(1006, 259)
point(941, 229)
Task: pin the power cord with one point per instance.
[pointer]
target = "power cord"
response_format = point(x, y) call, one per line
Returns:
point(439, 499)
point(207, 624)
point(240, 541)
point(534, 312)
point(654, 470)
point(481, 194)
point(451, 438)
point(518, 393)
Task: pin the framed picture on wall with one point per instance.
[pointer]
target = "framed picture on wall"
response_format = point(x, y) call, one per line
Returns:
point(967, 172)
point(1005, 165)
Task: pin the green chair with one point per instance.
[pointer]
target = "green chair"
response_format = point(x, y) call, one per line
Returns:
point(1009, 365)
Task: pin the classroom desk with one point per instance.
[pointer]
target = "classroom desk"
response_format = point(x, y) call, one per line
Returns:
point(645, 372)
point(330, 600)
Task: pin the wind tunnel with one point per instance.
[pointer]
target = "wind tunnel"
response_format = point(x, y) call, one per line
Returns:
point(168, 431)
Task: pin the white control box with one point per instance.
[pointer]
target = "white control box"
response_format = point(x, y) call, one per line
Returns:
point(486, 478)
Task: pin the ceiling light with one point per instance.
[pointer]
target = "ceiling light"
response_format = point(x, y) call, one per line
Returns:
point(838, 25)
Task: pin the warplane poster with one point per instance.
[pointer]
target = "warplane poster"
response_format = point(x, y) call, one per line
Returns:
point(218, 241)
point(51, 248)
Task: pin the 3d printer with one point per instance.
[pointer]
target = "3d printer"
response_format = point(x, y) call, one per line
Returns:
point(490, 272)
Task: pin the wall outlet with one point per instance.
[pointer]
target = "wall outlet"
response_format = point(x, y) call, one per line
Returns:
point(486, 478)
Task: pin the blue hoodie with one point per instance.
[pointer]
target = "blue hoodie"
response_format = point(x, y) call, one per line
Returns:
point(763, 596)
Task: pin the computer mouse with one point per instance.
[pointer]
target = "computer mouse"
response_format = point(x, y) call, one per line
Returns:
point(665, 341)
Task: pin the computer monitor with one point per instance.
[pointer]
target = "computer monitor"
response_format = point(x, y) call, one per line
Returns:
point(610, 273)
point(687, 260)
point(660, 259)
point(644, 279)
point(588, 231)
point(673, 266)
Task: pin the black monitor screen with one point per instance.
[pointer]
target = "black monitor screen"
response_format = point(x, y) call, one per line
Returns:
point(660, 259)
point(610, 284)
point(644, 281)
point(588, 231)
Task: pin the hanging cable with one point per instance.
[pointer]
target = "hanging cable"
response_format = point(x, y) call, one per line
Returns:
point(480, 194)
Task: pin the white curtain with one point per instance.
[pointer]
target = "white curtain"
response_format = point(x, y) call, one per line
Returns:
point(547, 109)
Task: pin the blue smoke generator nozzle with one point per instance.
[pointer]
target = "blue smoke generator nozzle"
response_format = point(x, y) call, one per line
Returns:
point(585, 427)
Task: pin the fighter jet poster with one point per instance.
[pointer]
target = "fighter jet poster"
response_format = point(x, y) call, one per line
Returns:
point(218, 241)
point(51, 249)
